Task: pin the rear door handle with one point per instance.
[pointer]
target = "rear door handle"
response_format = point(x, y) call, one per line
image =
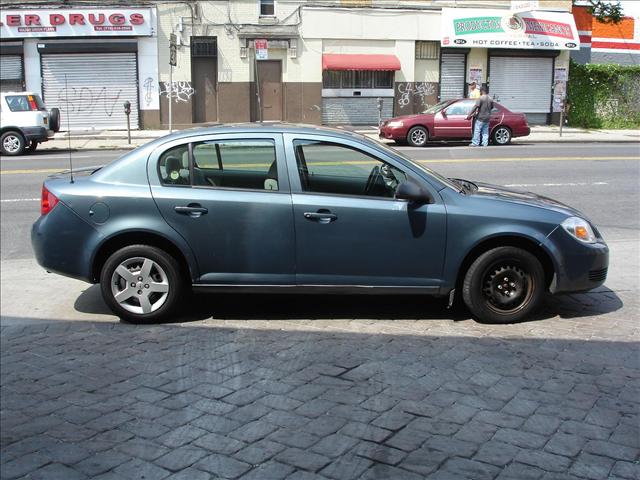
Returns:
point(320, 217)
point(194, 210)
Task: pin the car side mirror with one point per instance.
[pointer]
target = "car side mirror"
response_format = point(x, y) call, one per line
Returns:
point(413, 192)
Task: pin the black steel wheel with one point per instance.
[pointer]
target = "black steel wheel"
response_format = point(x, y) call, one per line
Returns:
point(503, 285)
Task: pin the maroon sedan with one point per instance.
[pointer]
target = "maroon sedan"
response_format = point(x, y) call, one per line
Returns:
point(448, 121)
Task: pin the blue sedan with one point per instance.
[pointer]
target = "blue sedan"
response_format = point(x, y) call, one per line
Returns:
point(287, 208)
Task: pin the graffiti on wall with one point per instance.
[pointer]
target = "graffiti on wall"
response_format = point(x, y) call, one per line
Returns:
point(89, 100)
point(413, 97)
point(179, 91)
point(149, 89)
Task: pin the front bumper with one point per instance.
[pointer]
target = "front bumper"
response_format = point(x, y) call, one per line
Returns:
point(36, 134)
point(578, 266)
point(392, 133)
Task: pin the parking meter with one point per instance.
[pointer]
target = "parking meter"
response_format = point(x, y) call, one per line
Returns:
point(380, 111)
point(127, 112)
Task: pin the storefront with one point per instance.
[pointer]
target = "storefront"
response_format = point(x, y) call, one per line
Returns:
point(88, 62)
point(354, 85)
point(11, 70)
point(523, 58)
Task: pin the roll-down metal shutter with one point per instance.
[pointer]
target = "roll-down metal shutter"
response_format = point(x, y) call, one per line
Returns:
point(522, 84)
point(98, 85)
point(452, 75)
point(10, 73)
point(355, 110)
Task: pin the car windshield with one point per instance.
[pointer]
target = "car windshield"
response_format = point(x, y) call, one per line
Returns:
point(433, 173)
point(437, 107)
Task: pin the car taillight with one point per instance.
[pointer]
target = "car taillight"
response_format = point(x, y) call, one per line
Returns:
point(32, 103)
point(47, 201)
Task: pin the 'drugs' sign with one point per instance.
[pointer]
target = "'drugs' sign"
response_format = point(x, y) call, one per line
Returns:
point(486, 28)
point(89, 22)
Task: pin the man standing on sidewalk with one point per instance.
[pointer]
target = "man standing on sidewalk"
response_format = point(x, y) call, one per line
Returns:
point(482, 113)
point(473, 91)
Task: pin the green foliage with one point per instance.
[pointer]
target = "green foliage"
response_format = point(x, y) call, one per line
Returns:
point(604, 96)
point(606, 12)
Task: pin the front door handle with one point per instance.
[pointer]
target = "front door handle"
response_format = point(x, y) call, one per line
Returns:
point(194, 210)
point(320, 217)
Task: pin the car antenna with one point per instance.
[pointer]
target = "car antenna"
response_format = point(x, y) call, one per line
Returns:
point(66, 89)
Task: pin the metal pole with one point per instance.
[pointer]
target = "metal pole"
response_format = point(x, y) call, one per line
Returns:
point(170, 98)
point(128, 129)
point(255, 67)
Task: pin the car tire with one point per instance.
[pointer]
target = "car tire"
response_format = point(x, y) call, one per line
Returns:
point(152, 289)
point(503, 285)
point(54, 119)
point(31, 147)
point(418, 137)
point(501, 135)
point(12, 143)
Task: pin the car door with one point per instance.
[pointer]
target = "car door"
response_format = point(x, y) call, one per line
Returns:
point(350, 230)
point(451, 122)
point(229, 197)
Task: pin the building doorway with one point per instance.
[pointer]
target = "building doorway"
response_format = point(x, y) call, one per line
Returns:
point(270, 85)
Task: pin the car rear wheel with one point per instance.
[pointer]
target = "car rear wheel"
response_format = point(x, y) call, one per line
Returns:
point(503, 285)
point(12, 143)
point(417, 137)
point(141, 284)
point(501, 136)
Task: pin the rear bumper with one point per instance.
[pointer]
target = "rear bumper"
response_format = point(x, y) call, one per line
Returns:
point(36, 134)
point(63, 243)
point(578, 266)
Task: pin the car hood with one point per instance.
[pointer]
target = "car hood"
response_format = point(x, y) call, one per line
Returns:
point(524, 198)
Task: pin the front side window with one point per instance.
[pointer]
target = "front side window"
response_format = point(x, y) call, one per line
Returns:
point(249, 164)
point(332, 168)
point(174, 166)
point(267, 8)
point(461, 108)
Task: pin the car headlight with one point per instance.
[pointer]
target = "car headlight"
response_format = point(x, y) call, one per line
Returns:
point(580, 229)
point(395, 124)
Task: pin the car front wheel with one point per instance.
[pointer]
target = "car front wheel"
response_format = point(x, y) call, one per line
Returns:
point(417, 137)
point(12, 143)
point(503, 285)
point(141, 284)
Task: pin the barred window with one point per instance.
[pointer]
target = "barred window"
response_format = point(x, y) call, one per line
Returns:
point(204, 47)
point(427, 50)
point(357, 79)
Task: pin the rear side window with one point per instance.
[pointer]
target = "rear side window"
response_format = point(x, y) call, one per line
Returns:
point(24, 103)
point(247, 164)
point(174, 166)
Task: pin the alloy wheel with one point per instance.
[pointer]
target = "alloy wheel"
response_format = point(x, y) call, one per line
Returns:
point(418, 137)
point(11, 144)
point(140, 285)
point(502, 136)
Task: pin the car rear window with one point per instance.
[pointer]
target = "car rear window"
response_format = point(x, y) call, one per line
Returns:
point(24, 103)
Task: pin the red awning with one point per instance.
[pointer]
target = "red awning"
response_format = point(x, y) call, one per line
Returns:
point(339, 61)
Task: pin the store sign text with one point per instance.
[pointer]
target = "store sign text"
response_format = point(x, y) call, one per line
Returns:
point(20, 23)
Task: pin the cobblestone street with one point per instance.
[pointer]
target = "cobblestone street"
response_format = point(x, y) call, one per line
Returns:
point(376, 396)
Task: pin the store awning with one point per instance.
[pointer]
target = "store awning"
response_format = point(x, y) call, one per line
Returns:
point(340, 61)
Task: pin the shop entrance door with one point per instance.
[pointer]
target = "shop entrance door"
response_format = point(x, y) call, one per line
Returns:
point(270, 84)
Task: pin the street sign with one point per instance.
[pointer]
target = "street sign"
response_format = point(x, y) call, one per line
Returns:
point(262, 49)
point(173, 50)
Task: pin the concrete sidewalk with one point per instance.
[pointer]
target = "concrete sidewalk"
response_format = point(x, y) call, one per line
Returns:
point(117, 139)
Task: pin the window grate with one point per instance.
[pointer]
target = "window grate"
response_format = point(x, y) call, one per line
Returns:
point(204, 47)
point(361, 79)
point(427, 50)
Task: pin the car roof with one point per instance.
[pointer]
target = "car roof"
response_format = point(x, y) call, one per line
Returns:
point(19, 93)
point(265, 127)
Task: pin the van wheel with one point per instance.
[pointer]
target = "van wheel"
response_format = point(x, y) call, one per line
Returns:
point(417, 137)
point(141, 284)
point(12, 143)
point(503, 285)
